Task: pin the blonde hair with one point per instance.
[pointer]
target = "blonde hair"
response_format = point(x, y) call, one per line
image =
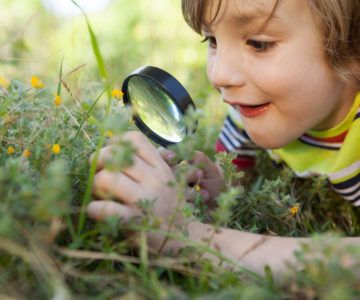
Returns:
point(339, 22)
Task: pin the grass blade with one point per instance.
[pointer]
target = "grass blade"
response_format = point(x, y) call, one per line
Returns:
point(60, 75)
point(103, 74)
point(94, 44)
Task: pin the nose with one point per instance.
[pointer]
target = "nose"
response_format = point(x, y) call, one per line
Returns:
point(225, 68)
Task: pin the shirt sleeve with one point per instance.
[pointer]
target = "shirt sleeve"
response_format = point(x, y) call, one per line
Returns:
point(233, 137)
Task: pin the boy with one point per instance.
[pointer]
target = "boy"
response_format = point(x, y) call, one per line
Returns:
point(290, 71)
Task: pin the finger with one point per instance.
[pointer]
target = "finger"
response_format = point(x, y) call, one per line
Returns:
point(104, 155)
point(100, 210)
point(208, 167)
point(132, 171)
point(119, 185)
point(170, 157)
point(144, 148)
point(194, 176)
point(200, 158)
point(192, 193)
point(140, 171)
point(139, 165)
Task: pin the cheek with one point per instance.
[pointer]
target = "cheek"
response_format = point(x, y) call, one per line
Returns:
point(295, 84)
point(291, 72)
point(209, 66)
point(280, 77)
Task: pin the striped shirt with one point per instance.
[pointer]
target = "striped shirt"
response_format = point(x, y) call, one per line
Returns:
point(334, 152)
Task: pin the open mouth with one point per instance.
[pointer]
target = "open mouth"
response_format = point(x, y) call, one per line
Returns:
point(253, 110)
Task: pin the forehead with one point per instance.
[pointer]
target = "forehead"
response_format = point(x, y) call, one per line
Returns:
point(256, 15)
point(240, 11)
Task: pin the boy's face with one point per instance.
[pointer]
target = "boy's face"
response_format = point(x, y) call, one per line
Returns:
point(277, 79)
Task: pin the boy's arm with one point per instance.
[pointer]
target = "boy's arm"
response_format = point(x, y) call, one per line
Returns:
point(254, 251)
point(251, 251)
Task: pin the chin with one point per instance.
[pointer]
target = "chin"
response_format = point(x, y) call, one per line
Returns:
point(268, 142)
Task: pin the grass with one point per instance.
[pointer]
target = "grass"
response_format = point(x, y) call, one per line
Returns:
point(49, 249)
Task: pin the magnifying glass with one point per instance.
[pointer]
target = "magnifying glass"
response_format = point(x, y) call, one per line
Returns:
point(159, 103)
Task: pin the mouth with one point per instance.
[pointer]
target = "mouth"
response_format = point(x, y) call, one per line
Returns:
point(251, 111)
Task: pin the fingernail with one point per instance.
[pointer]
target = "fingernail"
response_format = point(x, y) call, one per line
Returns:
point(171, 156)
point(199, 174)
point(206, 196)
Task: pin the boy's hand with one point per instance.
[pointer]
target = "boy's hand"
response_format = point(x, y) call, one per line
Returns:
point(148, 178)
point(208, 176)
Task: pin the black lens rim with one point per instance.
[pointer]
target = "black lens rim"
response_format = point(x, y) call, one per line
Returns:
point(169, 85)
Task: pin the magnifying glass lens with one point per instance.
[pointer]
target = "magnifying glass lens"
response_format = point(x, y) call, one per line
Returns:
point(159, 104)
point(156, 109)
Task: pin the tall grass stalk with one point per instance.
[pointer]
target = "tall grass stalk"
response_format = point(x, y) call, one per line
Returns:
point(104, 76)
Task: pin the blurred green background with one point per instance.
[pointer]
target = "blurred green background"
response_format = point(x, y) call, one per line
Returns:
point(131, 33)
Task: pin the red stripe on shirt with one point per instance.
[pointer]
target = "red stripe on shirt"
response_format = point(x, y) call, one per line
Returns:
point(241, 162)
point(334, 139)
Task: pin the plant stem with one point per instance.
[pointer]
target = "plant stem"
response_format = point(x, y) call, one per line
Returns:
point(87, 196)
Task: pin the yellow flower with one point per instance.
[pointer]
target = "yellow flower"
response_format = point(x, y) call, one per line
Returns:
point(10, 150)
point(56, 148)
point(57, 100)
point(109, 133)
point(117, 94)
point(36, 82)
point(294, 210)
point(183, 163)
point(4, 82)
point(197, 187)
point(131, 121)
point(27, 153)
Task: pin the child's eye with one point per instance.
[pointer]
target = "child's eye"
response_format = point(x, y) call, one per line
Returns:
point(260, 46)
point(211, 40)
